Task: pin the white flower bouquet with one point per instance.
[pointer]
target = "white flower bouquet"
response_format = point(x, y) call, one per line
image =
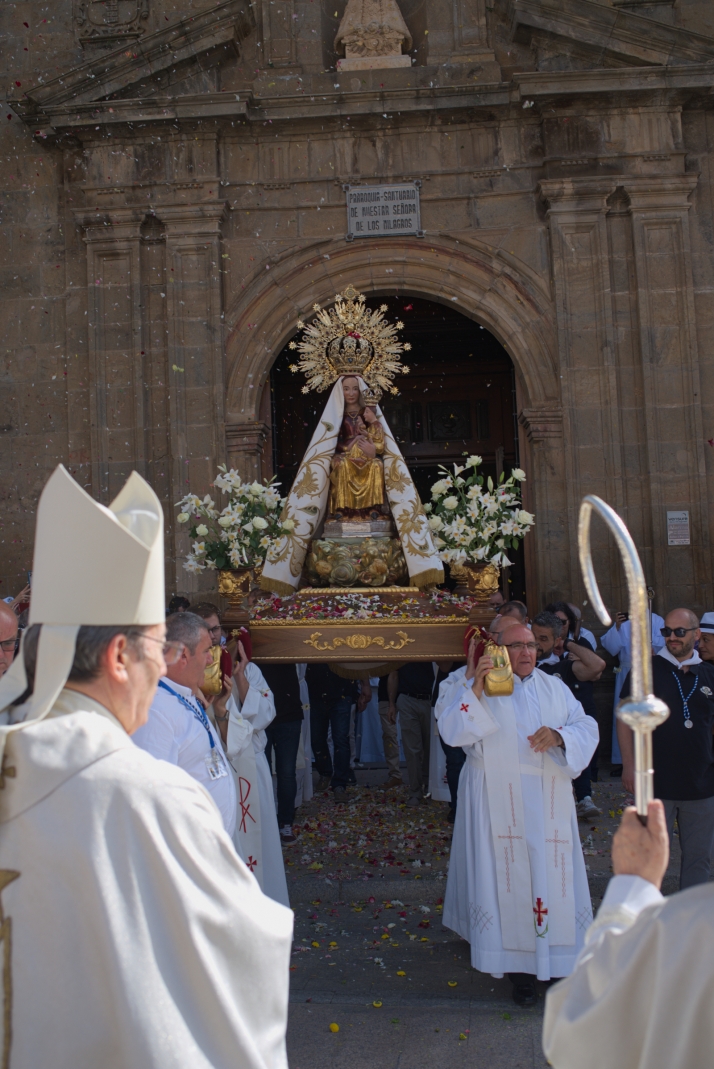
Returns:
point(238, 536)
point(474, 520)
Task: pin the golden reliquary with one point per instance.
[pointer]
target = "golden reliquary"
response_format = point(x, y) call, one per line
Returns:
point(499, 680)
point(213, 677)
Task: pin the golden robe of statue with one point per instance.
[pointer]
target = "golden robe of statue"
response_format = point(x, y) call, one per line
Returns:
point(357, 476)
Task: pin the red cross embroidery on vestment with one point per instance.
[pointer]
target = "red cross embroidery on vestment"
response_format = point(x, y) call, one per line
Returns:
point(555, 841)
point(251, 862)
point(245, 788)
point(464, 708)
point(540, 911)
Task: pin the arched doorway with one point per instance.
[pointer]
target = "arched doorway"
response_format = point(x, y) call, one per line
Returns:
point(459, 398)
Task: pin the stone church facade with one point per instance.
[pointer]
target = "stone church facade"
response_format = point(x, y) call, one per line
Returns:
point(173, 202)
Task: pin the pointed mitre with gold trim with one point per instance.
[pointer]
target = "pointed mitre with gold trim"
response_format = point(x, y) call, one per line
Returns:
point(93, 565)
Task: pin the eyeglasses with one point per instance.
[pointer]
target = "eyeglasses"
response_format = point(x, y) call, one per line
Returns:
point(9, 644)
point(518, 646)
point(680, 632)
point(171, 650)
point(213, 630)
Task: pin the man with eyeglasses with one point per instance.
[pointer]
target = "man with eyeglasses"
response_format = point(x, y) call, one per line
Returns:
point(682, 749)
point(517, 887)
point(178, 729)
point(134, 923)
point(8, 637)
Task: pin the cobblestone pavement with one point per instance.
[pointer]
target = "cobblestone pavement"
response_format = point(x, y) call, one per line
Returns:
point(376, 980)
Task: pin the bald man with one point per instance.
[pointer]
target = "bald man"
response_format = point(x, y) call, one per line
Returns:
point(682, 747)
point(8, 637)
point(517, 887)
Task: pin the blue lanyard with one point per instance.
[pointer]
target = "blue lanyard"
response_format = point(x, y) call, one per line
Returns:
point(681, 692)
point(197, 711)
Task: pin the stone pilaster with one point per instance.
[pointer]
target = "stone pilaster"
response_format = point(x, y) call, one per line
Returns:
point(577, 210)
point(195, 350)
point(117, 400)
point(659, 208)
point(245, 443)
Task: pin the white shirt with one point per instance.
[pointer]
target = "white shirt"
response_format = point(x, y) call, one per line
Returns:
point(172, 733)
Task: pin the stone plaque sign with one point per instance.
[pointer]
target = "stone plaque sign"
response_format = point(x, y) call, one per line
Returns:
point(678, 529)
point(373, 211)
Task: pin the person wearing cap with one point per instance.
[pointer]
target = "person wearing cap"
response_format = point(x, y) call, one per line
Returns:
point(706, 638)
point(682, 747)
point(133, 934)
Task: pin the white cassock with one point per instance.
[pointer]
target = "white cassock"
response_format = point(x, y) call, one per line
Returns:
point(259, 710)
point(641, 993)
point(517, 888)
point(134, 934)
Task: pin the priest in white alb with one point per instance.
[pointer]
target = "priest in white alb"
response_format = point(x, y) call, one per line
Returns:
point(517, 888)
point(132, 933)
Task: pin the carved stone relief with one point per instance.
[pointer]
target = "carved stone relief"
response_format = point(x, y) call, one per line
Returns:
point(109, 21)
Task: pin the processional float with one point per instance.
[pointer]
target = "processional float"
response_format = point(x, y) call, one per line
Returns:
point(641, 711)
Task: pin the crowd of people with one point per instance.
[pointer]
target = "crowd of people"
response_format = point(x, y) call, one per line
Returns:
point(519, 768)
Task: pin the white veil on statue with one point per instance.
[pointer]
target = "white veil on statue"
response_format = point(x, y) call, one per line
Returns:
point(307, 501)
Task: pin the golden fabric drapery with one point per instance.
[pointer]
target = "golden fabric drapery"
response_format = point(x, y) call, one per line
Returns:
point(357, 481)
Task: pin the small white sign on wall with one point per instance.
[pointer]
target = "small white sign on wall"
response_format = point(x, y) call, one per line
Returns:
point(375, 211)
point(678, 529)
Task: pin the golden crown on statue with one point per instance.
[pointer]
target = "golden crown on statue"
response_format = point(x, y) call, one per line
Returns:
point(350, 339)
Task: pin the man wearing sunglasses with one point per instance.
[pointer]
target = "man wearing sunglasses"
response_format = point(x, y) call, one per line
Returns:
point(517, 887)
point(683, 754)
point(8, 637)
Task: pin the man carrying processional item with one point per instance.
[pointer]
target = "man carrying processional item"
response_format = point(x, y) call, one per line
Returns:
point(517, 888)
point(132, 933)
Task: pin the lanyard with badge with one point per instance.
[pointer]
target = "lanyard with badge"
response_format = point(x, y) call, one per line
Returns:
point(215, 764)
point(685, 700)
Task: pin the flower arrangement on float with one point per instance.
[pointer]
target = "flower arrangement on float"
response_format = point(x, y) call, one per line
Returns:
point(239, 535)
point(474, 520)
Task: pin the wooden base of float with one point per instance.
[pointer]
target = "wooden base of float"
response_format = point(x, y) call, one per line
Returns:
point(358, 648)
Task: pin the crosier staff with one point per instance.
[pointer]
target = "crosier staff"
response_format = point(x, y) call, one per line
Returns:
point(642, 712)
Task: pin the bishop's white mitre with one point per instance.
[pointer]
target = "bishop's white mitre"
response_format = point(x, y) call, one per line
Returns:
point(93, 565)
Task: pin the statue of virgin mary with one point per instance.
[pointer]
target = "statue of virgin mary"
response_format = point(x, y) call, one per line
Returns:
point(353, 467)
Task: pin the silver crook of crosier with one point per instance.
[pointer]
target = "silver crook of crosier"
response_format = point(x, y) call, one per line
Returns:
point(642, 712)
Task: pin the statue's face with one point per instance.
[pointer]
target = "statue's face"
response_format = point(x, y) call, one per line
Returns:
point(350, 390)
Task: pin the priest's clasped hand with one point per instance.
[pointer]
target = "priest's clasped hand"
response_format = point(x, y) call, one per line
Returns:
point(544, 739)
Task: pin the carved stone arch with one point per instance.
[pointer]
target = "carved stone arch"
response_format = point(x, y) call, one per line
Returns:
point(484, 283)
point(490, 286)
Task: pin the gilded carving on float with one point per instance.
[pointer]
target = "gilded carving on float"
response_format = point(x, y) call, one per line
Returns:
point(359, 642)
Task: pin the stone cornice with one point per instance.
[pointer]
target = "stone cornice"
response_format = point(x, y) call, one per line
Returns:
point(543, 422)
point(673, 85)
point(610, 31)
point(178, 43)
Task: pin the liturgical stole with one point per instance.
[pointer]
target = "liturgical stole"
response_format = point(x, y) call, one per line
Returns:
point(523, 918)
point(247, 835)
